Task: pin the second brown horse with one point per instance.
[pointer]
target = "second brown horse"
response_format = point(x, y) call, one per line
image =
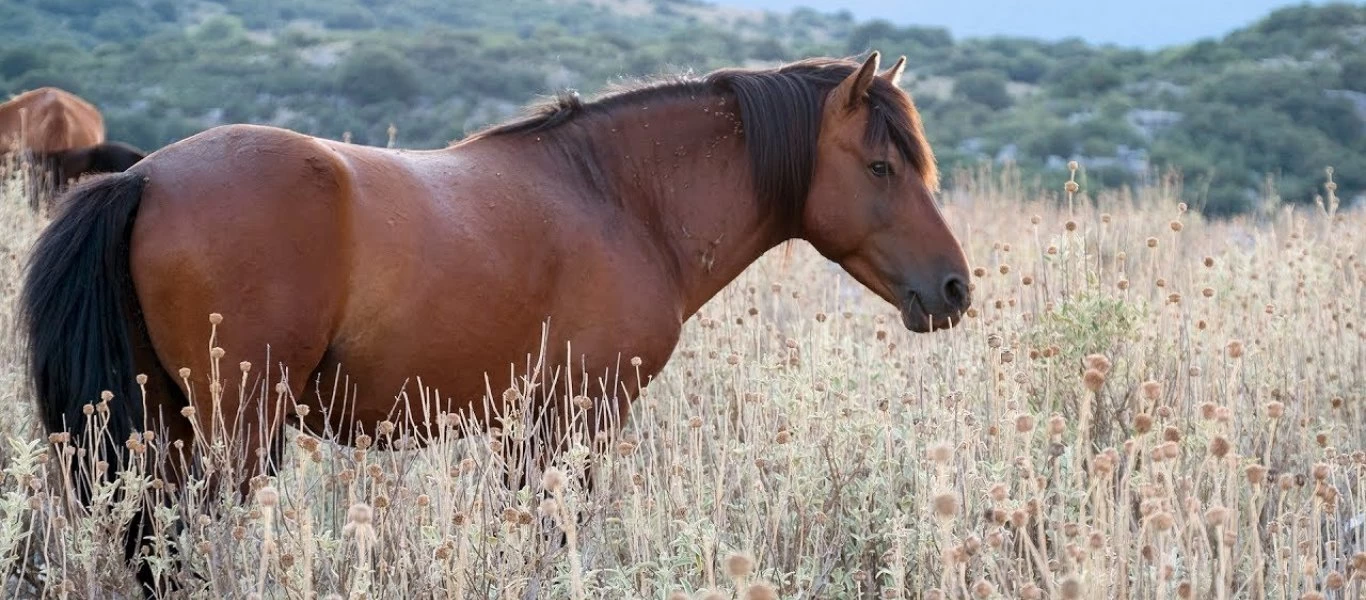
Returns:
point(49, 120)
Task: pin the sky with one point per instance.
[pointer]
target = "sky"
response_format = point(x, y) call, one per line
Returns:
point(1147, 24)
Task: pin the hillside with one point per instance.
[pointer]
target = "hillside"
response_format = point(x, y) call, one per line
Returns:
point(1281, 99)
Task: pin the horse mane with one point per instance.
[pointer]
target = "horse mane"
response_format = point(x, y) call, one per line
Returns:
point(780, 117)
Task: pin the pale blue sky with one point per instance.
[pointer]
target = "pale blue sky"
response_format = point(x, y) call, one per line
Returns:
point(1143, 23)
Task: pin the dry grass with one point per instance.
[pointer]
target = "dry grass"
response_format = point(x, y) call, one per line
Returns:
point(1144, 405)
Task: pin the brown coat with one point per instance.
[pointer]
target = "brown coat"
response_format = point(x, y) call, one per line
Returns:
point(49, 120)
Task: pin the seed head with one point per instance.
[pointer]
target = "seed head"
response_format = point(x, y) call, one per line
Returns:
point(360, 513)
point(1024, 423)
point(1098, 362)
point(553, 480)
point(1093, 379)
point(267, 496)
point(1071, 188)
point(1071, 588)
point(739, 565)
point(1334, 581)
point(941, 453)
point(983, 589)
point(1143, 423)
point(761, 591)
point(1152, 242)
point(1216, 516)
point(1152, 390)
point(1163, 521)
point(215, 318)
point(1275, 409)
point(1207, 410)
point(946, 505)
point(1235, 349)
point(998, 492)
point(1057, 425)
point(1176, 225)
point(1320, 471)
point(1256, 474)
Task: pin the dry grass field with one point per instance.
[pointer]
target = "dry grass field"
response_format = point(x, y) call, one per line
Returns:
point(1143, 404)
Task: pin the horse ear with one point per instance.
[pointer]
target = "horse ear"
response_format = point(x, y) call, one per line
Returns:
point(854, 88)
point(893, 75)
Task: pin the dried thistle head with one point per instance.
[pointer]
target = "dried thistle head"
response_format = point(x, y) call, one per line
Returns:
point(1143, 423)
point(983, 589)
point(553, 480)
point(1152, 390)
point(1057, 424)
point(761, 591)
point(1070, 588)
point(941, 453)
point(1093, 379)
point(739, 565)
point(946, 505)
point(1216, 516)
point(1275, 409)
point(360, 513)
point(267, 496)
point(1098, 362)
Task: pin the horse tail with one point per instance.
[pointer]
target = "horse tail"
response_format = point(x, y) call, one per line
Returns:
point(79, 314)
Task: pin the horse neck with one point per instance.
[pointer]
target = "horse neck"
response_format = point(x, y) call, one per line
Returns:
point(683, 175)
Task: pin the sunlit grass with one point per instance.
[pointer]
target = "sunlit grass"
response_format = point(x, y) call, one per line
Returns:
point(1142, 405)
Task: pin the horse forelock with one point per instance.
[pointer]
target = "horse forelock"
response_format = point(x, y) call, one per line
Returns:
point(780, 119)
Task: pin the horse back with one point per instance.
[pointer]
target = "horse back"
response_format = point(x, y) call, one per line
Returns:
point(49, 120)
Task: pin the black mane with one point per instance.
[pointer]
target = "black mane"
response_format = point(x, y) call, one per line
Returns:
point(780, 114)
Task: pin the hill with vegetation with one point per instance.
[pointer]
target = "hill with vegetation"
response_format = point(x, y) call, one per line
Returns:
point(1258, 113)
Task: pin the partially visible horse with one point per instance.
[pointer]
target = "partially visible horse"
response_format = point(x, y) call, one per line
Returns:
point(613, 220)
point(48, 120)
point(62, 136)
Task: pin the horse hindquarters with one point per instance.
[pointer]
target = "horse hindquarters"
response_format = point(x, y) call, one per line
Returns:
point(86, 342)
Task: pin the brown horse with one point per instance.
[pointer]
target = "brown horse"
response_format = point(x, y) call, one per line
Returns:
point(613, 220)
point(48, 119)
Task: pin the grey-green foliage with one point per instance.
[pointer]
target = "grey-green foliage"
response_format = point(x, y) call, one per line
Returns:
point(1271, 99)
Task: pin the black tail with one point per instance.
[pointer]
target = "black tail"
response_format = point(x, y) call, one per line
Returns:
point(77, 312)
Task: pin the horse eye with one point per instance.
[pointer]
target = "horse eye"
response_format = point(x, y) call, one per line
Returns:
point(880, 168)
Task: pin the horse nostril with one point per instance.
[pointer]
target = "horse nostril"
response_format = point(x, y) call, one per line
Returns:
point(956, 293)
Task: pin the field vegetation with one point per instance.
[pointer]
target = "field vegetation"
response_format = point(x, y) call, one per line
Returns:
point(1143, 404)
